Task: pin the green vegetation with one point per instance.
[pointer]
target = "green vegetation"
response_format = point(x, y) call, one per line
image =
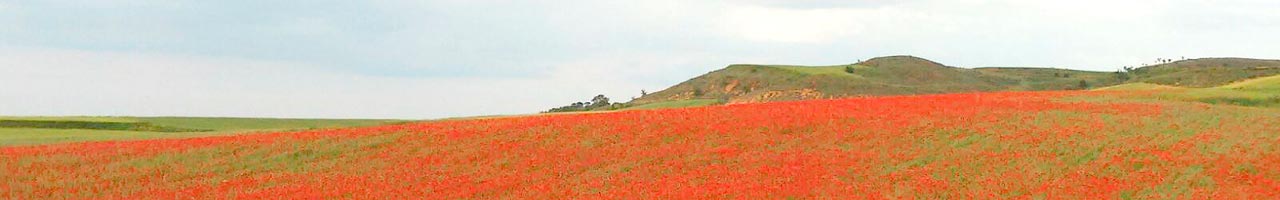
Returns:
point(1036, 79)
point(119, 126)
point(1206, 72)
point(239, 124)
point(74, 118)
point(1270, 83)
point(894, 75)
point(1261, 92)
point(1228, 96)
point(600, 102)
point(676, 104)
point(47, 130)
point(823, 70)
point(906, 75)
point(1136, 86)
point(34, 136)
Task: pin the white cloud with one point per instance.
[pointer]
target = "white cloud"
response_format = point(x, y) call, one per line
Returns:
point(1091, 35)
point(790, 25)
point(422, 59)
point(73, 82)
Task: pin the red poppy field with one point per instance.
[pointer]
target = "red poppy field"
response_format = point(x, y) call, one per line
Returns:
point(1024, 145)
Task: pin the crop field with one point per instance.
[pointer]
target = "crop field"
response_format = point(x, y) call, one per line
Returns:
point(1261, 92)
point(1030, 145)
point(50, 130)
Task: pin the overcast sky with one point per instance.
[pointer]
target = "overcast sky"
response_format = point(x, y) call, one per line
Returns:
point(431, 59)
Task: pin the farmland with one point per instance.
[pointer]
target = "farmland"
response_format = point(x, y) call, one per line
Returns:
point(49, 130)
point(1074, 145)
point(1259, 92)
point(634, 99)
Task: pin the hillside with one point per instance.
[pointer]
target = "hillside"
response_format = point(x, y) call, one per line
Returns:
point(1258, 92)
point(902, 75)
point(1037, 79)
point(1206, 72)
point(893, 75)
point(1270, 83)
point(1137, 87)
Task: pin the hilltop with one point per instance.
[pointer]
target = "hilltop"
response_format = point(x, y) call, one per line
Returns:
point(893, 75)
point(906, 75)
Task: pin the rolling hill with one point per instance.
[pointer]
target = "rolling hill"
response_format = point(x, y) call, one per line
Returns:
point(1257, 92)
point(1206, 72)
point(1270, 83)
point(893, 75)
point(905, 75)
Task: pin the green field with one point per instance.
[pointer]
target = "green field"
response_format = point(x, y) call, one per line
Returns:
point(1271, 83)
point(239, 124)
point(676, 104)
point(1137, 86)
point(1259, 92)
point(207, 126)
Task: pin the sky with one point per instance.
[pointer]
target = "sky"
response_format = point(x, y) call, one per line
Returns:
point(450, 58)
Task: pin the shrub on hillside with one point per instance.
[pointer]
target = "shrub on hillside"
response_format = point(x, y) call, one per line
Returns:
point(596, 103)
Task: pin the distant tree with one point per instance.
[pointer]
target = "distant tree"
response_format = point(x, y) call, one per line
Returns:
point(1122, 76)
point(643, 93)
point(697, 92)
point(1084, 84)
point(596, 102)
point(599, 101)
point(848, 69)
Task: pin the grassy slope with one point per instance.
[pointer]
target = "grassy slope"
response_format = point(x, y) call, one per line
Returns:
point(894, 75)
point(1136, 86)
point(900, 75)
point(1206, 72)
point(220, 126)
point(1260, 92)
point(1270, 83)
point(1034, 79)
point(748, 83)
point(676, 104)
